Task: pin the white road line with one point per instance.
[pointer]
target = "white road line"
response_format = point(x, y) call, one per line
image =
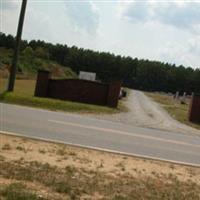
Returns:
point(101, 149)
point(123, 133)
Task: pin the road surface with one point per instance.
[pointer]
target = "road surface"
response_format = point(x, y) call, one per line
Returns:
point(144, 112)
point(100, 134)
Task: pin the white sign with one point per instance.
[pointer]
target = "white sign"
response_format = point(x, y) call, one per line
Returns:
point(87, 76)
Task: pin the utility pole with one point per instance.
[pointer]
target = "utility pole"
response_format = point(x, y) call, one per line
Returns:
point(13, 69)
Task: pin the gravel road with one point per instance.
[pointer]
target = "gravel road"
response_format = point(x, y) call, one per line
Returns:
point(144, 112)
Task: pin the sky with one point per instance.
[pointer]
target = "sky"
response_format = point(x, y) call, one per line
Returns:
point(167, 31)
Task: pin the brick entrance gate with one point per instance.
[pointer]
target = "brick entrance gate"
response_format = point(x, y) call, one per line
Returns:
point(194, 112)
point(78, 90)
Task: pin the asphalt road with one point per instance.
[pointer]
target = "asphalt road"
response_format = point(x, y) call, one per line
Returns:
point(100, 134)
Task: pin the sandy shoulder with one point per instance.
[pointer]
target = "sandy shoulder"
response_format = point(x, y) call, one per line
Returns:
point(14, 148)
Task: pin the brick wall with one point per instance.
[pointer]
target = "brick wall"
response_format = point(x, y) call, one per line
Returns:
point(194, 111)
point(77, 90)
point(42, 83)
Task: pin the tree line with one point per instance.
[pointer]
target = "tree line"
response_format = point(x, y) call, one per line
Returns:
point(134, 73)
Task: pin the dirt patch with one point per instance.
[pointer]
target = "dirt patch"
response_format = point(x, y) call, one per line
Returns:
point(39, 165)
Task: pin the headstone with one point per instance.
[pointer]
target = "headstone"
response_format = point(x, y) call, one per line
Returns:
point(184, 97)
point(177, 95)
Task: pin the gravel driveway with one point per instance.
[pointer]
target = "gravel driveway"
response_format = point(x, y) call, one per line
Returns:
point(145, 112)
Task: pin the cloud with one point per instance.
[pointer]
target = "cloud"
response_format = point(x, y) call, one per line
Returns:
point(9, 15)
point(46, 21)
point(9, 4)
point(83, 16)
point(186, 53)
point(135, 11)
point(184, 15)
point(194, 45)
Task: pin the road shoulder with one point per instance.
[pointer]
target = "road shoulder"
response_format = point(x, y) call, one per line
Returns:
point(87, 165)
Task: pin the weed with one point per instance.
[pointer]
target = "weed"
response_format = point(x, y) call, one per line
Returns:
point(100, 165)
point(70, 170)
point(2, 158)
point(21, 148)
point(119, 197)
point(172, 166)
point(42, 151)
point(121, 166)
point(72, 153)
point(6, 147)
point(62, 187)
point(61, 151)
point(18, 191)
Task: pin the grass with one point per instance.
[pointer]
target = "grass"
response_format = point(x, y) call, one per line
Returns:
point(177, 110)
point(17, 191)
point(20, 148)
point(6, 147)
point(89, 174)
point(75, 183)
point(3, 84)
point(24, 95)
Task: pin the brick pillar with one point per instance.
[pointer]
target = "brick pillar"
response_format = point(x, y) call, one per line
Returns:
point(42, 83)
point(113, 93)
point(194, 111)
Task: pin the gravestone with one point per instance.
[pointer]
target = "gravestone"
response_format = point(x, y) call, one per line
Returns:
point(177, 95)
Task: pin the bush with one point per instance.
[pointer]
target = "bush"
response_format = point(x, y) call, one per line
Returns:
point(18, 191)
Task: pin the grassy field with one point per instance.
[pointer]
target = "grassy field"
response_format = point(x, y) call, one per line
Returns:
point(23, 95)
point(33, 170)
point(174, 107)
